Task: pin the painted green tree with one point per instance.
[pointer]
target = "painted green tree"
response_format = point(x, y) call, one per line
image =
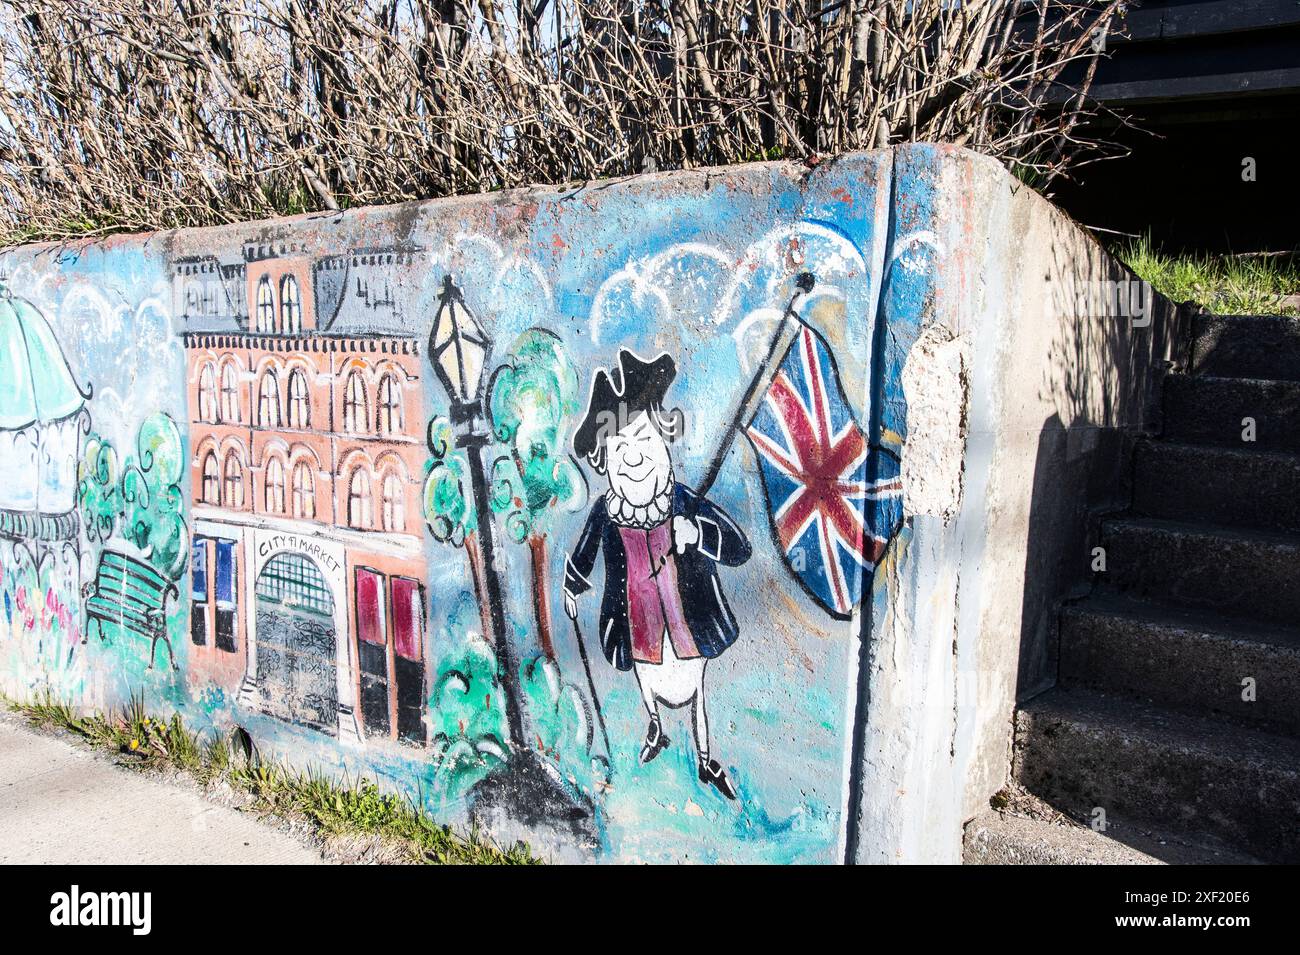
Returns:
point(98, 489)
point(140, 499)
point(468, 721)
point(532, 399)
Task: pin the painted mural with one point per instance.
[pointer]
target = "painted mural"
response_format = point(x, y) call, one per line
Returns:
point(560, 512)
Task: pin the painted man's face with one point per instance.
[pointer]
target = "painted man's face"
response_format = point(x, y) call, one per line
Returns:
point(638, 464)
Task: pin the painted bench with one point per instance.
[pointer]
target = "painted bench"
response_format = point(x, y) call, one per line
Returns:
point(131, 594)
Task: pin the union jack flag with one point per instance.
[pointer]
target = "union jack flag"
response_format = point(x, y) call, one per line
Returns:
point(833, 499)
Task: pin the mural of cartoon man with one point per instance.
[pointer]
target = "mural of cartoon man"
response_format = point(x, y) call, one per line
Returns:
point(663, 614)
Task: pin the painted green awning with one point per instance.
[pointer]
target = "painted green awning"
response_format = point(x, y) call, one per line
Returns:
point(36, 384)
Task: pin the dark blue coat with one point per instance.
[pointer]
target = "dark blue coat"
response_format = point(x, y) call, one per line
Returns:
point(712, 623)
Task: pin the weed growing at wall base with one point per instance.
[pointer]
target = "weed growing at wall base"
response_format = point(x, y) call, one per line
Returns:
point(351, 807)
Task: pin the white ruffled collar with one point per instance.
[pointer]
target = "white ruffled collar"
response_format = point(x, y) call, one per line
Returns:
point(645, 517)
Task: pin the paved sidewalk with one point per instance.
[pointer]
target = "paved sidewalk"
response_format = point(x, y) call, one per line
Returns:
point(63, 803)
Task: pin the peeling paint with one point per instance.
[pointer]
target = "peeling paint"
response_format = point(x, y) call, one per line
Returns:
point(935, 384)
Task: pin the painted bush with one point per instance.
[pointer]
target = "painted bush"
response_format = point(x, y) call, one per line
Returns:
point(560, 511)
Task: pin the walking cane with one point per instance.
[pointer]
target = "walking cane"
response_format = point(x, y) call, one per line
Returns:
point(591, 687)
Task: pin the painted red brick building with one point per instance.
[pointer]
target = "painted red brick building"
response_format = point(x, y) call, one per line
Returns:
point(306, 427)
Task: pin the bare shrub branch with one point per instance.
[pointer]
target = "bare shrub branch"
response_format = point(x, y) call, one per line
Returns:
point(140, 114)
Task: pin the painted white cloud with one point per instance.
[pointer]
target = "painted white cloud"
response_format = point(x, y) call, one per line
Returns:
point(507, 292)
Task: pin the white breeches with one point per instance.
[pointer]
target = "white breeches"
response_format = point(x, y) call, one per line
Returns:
point(676, 682)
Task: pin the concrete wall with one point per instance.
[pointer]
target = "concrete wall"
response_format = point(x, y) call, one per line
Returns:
point(1058, 354)
point(848, 603)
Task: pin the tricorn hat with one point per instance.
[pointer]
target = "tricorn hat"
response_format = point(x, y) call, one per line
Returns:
point(635, 386)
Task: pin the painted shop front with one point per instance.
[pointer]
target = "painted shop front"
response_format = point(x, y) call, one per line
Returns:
point(297, 598)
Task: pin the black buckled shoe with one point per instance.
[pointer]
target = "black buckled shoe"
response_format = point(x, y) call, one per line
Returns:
point(711, 773)
point(655, 742)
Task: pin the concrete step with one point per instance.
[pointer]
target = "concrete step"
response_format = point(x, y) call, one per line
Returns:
point(995, 838)
point(1247, 346)
point(1191, 659)
point(1081, 751)
point(1228, 486)
point(1211, 410)
point(1251, 574)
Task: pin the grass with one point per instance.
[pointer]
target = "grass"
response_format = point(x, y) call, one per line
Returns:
point(350, 808)
point(1226, 284)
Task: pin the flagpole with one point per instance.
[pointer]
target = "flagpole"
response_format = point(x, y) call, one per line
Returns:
point(782, 338)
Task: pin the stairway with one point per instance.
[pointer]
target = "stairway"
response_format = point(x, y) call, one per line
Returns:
point(1201, 592)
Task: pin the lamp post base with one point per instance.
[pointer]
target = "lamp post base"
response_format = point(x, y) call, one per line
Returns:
point(527, 800)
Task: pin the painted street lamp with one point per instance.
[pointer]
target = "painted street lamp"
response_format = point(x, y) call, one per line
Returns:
point(458, 346)
point(458, 350)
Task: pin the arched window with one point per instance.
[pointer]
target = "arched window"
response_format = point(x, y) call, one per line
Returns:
point(356, 409)
point(228, 410)
point(211, 480)
point(274, 486)
point(304, 491)
point(207, 394)
point(268, 400)
point(394, 511)
point(299, 400)
point(359, 499)
point(390, 405)
point(264, 318)
point(290, 305)
point(232, 485)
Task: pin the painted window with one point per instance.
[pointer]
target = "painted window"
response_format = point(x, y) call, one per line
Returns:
point(226, 597)
point(232, 485)
point(372, 653)
point(408, 659)
point(390, 405)
point(407, 617)
point(264, 320)
point(208, 393)
point(295, 582)
point(355, 407)
point(290, 305)
point(359, 499)
point(304, 491)
point(229, 407)
point(370, 606)
point(268, 400)
point(199, 569)
point(211, 479)
point(274, 486)
point(394, 503)
point(299, 401)
point(199, 591)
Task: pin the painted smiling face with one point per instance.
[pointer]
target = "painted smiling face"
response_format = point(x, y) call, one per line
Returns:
point(637, 462)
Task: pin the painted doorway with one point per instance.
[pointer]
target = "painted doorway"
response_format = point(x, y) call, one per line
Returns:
point(390, 655)
point(297, 653)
